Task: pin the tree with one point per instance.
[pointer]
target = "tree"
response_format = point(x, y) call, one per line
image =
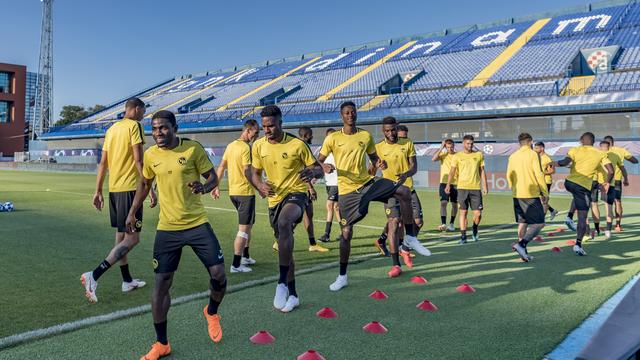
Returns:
point(71, 113)
point(95, 108)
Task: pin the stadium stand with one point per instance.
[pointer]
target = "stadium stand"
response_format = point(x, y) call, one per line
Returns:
point(576, 54)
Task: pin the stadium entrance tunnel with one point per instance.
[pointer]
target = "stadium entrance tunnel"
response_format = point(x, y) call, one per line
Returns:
point(400, 81)
point(278, 95)
point(194, 104)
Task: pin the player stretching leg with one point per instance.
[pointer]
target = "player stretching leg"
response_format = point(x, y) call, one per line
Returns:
point(357, 188)
point(584, 161)
point(289, 165)
point(177, 165)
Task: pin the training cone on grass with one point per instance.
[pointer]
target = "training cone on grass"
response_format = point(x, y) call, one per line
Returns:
point(556, 249)
point(538, 239)
point(571, 242)
point(551, 234)
point(465, 288)
point(378, 295)
point(418, 280)
point(427, 306)
point(561, 230)
point(262, 337)
point(310, 355)
point(375, 327)
point(326, 313)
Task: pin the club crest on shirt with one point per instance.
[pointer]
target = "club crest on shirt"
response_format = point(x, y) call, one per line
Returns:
point(285, 155)
point(361, 144)
point(182, 160)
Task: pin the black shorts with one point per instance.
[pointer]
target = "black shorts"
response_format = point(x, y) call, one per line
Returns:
point(581, 195)
point(246, 206)
point(595, 191)
point(452, 196)
point(119, 206)
point(618, 190)
point(332, 193)
point(610, 197)
point(392, 207)
point(298, 198)
point(470, 199)
point(167, 248)
point(528, 211)
point(354, 206)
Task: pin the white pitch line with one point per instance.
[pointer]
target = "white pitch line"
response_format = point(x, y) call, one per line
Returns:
point(16, 339)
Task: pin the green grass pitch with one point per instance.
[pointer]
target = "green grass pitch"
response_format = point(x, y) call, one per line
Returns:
point(519, 310)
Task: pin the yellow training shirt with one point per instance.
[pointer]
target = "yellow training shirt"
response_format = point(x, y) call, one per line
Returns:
point(238, 155)
point(446, 159)
point(282, 163)
point(468, 168)
point(350, 154)
point(616, 162)
point(585, 163)
point(524, 174)
point(118, 143)
point(545, 161)
point(173, 170)
point(397, 157)
point(623, 154)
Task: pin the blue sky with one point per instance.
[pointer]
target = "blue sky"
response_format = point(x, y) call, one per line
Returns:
point(106, 50)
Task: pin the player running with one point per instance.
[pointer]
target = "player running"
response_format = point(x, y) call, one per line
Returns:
point(548, 170)
point(306, 134)
point(122, 157)
point(527, 183)
point(469, 166)
point(289, 165)
point(400, 157)
point(445, 156)
point(237, 160)
point(585, 161)
point(624, 154)
point(610, 196)
point(331, 182)
point(177, 165)
point(357, 188)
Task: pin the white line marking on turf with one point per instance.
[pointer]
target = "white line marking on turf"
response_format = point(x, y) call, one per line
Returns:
point(17, 339)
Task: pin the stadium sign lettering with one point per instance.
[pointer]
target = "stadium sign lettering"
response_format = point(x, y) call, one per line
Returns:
point(582, 23)
point(495, 37)
point(324, 63)
point(431, 46)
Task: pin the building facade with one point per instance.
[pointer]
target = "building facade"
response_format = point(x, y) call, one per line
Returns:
point(13, 128)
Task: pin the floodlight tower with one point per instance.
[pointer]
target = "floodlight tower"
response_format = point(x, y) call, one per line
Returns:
point(44, 91)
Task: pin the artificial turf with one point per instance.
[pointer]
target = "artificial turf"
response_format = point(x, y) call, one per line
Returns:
point(519, 310)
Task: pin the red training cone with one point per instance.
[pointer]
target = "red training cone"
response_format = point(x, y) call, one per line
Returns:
point(561, 230)
point(538, 239)
point(556, 249)
point(262, 337)
point(465, 288)
point(427, 306)
point(326, 313)
point(551, 234)
point(571, 242)
point(375, 327)
point(378, 295)
point(418, 280)
point(310, 355)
